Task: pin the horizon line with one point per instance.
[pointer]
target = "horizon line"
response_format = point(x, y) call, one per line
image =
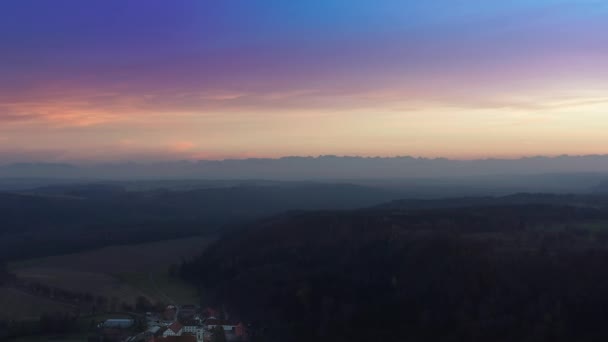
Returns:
point(310, 157)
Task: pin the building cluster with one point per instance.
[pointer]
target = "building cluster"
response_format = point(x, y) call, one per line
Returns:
point(185, 323)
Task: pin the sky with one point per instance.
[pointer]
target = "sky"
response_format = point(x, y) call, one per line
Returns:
point(120, 80)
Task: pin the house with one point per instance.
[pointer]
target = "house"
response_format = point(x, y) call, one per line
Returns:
point(194, 330)
point(174, 329)
point(213, 322)
point(200, 335)
point(233, 331)
point(191, 329)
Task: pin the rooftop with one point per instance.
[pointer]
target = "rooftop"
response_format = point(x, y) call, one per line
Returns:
point(176, 327)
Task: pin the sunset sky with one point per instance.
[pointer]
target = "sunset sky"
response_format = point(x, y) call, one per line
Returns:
point(203, 79)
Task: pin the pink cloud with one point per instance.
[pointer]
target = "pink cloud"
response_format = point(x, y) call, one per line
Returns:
point(182, 146)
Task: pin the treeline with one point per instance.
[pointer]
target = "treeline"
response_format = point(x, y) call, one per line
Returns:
point(501, 273)
point(85, 302)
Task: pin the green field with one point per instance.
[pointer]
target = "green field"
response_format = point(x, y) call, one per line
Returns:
point(18, 305)
point(123, 272)
point(150, 256)
point(162, 287)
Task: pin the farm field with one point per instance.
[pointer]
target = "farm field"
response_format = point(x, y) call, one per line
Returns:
point(145, 257)
point(80, 281)
point(107, 272)
point(161, 287)
point(18, 305)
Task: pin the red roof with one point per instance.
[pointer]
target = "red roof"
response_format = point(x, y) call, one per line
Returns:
point(176, 327)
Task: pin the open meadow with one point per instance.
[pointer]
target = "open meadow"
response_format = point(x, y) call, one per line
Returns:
point(19, 305)
point(145, 257)
point(119, 272)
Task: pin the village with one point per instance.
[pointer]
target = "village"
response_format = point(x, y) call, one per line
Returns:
point(186, 323)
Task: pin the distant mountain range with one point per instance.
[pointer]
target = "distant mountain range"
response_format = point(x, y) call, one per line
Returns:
point(322, 167)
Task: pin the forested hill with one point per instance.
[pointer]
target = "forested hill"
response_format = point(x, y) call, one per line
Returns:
point(585, 200)
point(510, 272)
point(65, 218)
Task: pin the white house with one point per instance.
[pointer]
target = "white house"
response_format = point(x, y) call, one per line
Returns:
point(200, 335)
point(213, 322)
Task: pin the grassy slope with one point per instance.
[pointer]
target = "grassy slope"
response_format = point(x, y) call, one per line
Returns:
point(162, 287)
point(18, 305)
point(119, 271)
point(150, 256)
point(122, 271)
